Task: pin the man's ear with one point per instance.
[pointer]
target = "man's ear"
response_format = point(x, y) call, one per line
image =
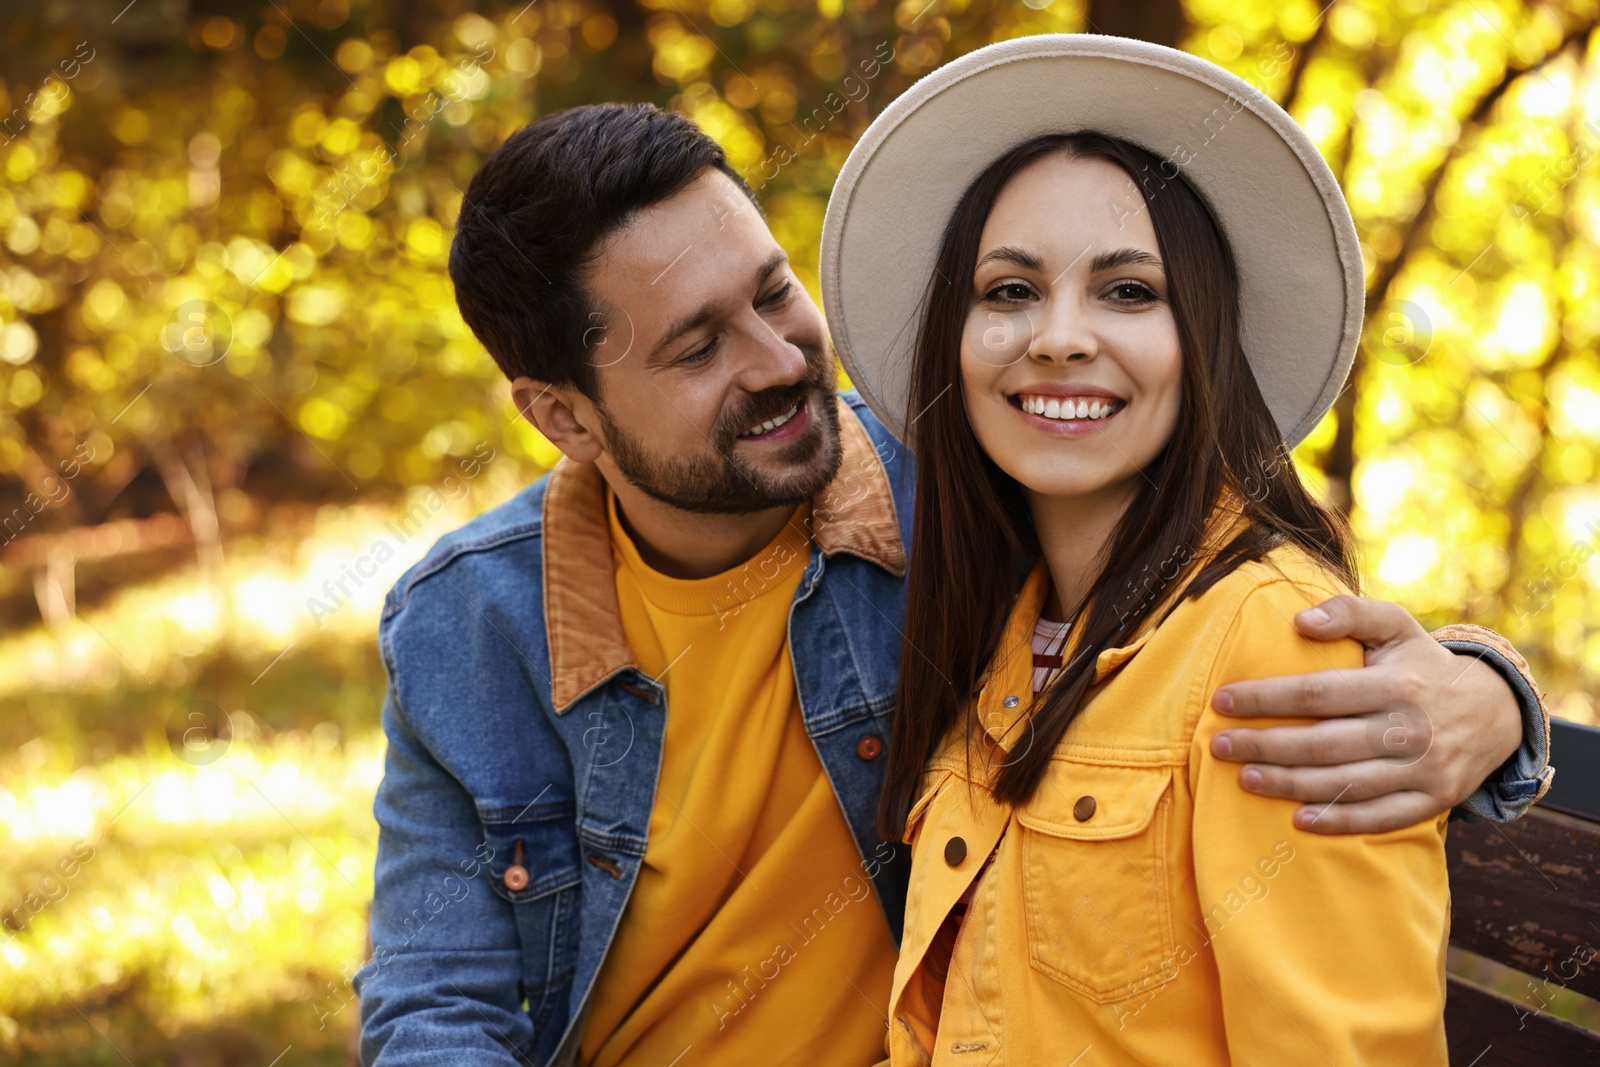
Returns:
point(562, 414)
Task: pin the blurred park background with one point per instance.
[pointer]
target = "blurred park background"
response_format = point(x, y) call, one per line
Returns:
point(237, 400)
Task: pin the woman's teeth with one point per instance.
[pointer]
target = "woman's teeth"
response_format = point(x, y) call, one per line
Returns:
point(1055, 407)
point(773, 424)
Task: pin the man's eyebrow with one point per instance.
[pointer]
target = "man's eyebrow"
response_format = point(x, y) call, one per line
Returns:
point(709, 310)
point(774, 261)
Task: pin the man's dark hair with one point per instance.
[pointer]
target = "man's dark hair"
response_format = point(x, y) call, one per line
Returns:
point(535, 214)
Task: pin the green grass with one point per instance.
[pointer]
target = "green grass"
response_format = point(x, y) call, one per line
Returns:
point(211, 909)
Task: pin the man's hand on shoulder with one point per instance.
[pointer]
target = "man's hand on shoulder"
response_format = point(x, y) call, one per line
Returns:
point(1406, 737)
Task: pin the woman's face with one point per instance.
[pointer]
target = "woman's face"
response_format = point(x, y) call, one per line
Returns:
point(1070, 361)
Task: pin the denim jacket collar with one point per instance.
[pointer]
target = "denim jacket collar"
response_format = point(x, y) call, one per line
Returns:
point(854, 513)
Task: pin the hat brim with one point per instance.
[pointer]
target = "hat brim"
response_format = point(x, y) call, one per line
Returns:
point(1301, 282)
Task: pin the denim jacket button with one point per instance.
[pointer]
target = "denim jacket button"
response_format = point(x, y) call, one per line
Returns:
point(955, 850)
point(516, 878)
point(1083, 810)
point(646, 695)
point(870, 747)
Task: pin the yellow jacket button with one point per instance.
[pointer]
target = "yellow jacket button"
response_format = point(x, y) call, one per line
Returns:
point(955, 850)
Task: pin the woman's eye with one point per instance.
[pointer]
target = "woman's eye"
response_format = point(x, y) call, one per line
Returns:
point(1141, 293)
point(1008, 293)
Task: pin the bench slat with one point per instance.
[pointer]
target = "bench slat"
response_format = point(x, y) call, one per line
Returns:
point(1527, 895)
point(1576, 789)
point(1482, 1029)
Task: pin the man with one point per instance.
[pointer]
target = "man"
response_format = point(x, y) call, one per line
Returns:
point(570, 872)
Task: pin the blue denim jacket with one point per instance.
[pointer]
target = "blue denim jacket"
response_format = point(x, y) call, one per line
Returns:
point(521, 734)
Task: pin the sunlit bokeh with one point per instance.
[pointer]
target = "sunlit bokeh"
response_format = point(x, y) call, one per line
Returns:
point(237, 401)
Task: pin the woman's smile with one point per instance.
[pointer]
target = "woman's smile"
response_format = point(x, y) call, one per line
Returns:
point(1066, 410)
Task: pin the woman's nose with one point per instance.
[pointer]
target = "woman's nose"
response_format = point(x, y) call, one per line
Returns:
point(1064, 334)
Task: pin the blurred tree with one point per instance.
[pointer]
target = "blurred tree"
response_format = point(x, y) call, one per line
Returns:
point(223, 303)
point(225, 227)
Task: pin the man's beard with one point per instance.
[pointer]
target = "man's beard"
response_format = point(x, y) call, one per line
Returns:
point(720, 483)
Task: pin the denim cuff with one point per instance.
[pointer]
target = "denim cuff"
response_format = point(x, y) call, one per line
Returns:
point(1526, 776)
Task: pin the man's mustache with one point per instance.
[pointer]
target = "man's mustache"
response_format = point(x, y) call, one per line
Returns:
point(770, 403)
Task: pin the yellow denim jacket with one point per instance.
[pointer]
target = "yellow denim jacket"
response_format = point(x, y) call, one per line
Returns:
point(1142, 908)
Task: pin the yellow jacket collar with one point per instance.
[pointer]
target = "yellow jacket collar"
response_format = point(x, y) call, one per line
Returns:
point(1006, 696)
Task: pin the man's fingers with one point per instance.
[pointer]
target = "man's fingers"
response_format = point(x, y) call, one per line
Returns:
point(1375, 623)
point(1318, 744)
point(1392, 812)
point(1329, 693)
point(1345, 783)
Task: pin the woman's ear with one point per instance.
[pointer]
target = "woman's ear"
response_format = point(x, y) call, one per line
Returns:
point(563, 414)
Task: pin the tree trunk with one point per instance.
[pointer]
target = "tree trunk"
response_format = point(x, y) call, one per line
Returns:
point(54, 587)
point(1156, 21)
point(189, 484)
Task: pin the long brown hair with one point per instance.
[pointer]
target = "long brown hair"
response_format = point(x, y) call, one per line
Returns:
point(973, 533)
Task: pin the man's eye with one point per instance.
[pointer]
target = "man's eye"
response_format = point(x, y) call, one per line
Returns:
point(699, 355)
point(779, 296)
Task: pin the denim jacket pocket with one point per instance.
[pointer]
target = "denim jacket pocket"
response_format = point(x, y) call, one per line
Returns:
point(545, 848)
point(544, 897)
point(1096, 896)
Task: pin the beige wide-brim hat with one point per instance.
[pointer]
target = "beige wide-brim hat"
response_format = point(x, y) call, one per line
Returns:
point(1301, 289)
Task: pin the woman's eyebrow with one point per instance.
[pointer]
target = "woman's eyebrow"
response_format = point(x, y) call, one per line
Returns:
point(1008, 254)
point(1102, 261)
point(1123, 257)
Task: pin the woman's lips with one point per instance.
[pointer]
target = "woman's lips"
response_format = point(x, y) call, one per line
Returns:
point(1066, 416)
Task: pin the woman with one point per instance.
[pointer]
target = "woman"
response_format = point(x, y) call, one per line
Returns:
point(1090, 885)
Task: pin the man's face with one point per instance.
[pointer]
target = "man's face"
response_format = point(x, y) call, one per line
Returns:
point(716, 390)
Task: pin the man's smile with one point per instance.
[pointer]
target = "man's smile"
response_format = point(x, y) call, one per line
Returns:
point(781, 427)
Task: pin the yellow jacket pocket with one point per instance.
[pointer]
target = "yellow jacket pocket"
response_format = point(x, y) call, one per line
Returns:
point(1095, 877)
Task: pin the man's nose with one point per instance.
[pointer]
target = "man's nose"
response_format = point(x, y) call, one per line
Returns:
point(771, 360)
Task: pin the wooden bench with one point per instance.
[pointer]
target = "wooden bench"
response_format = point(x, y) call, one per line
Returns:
point(1527, 896)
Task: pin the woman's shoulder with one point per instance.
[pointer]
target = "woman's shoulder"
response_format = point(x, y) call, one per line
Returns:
point(1240, 628)
point(1286, 573)
point(1158, 685)
point(1244, 624)
point(1251, 608)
